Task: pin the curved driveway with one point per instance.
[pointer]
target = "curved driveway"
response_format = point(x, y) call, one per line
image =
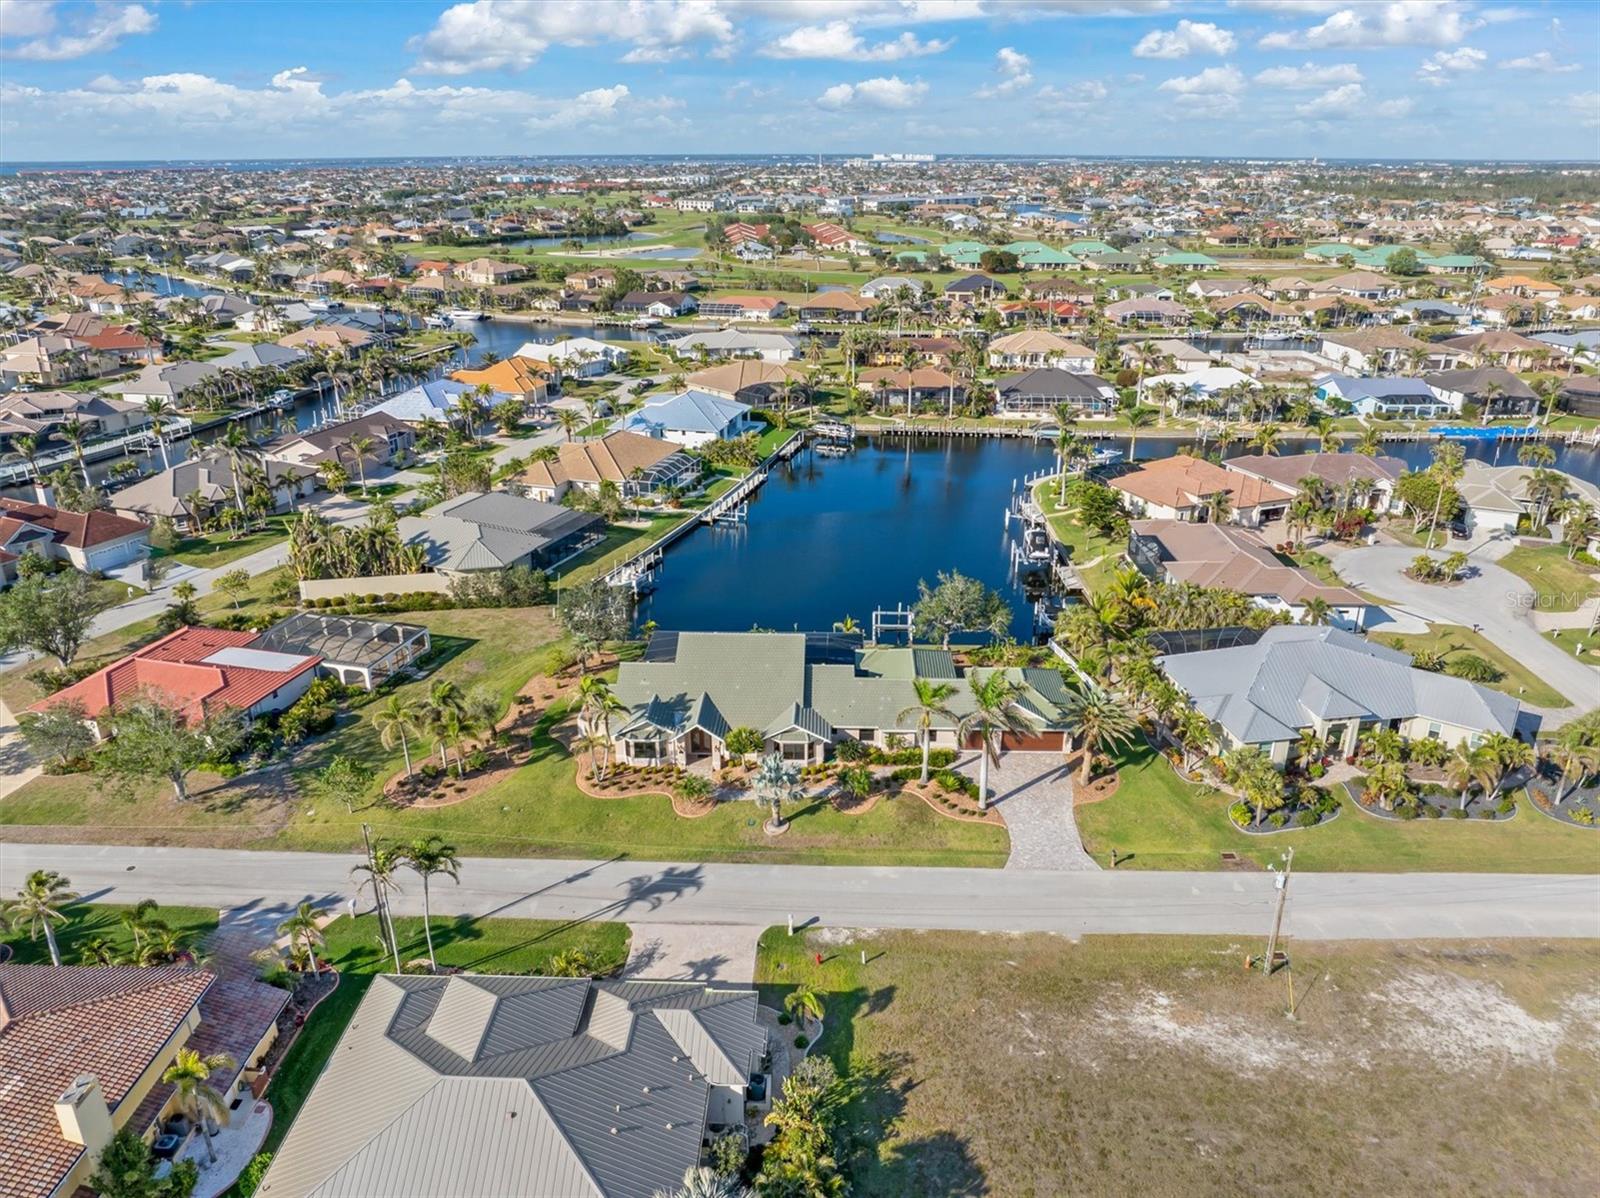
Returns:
point(1494, 598)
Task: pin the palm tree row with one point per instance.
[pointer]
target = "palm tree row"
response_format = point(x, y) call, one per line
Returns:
point(427, 857)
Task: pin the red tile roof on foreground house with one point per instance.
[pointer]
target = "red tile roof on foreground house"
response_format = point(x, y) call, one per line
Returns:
point(57, 1022)
point(72, 529)
point(202, 670)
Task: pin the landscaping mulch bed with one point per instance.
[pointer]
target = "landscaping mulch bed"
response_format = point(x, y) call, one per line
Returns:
point(1427, 807)
point(309, 991)
point(1096, 789)
point(953, 804)
point(1583, 798)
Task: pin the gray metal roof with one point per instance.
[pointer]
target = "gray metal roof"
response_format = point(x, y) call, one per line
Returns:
point(474, 1085)
point(1297, 674)
point(488, 531)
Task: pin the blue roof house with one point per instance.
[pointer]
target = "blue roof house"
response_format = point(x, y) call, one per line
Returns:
point(690, 418)
point(1382, 396)
point(436, 400)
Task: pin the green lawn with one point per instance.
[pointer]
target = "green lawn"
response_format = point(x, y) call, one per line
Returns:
point(1086, 544)
point(1568, 639)
point(1031, 1066)
point(537, 811)
point(1452, 640)
point(516, 946)
point(91, 921)
point(221, 548)
point(1164, 823)
point(1560, 584)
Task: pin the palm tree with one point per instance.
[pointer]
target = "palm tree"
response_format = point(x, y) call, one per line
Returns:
point(74, 432)
point(803, 1003)
point(140, 921)
point(569, 421)
point(1218, 506)
point(1369, 442)
point(38, 907)
point(846, 625)
point(380, 871)
point(993, 715)
point(398, 719)
point(425, 858)
point(362, 447)
point(303, 927)
point(1267, 438)
point(27, 448)
point(776, 782)
point(1317, 611)
point(188, 1075)
point(1509, 755)
point(1137, 418)
point(1102, 721)
point(596, 744)
point(1469, 766)
point(1386, 783)
point(157, 407)
point(932, 704)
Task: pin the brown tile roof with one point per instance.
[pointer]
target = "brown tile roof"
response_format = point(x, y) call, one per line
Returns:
point(57, 1022)
point(612, 458)
point(73, 529)
point(1213, 555)
point(1182, 481)
point(732, 377)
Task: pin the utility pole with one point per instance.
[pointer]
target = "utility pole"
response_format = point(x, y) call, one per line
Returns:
point(1283, 899)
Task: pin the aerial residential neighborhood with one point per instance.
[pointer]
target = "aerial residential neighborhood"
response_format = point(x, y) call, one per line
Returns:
point(697, 599)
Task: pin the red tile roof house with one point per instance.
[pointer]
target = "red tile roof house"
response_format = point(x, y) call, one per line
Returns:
point(95, 542)
point(82, 1051)
point(200, 671)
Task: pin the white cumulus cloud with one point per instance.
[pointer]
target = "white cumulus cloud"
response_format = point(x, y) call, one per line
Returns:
point(1189, 37)
point(1214, 91)
point(1015, 70)
point(1372, 25)
point(1077, 97)
point(1443, 65)
point(890, 92)
point(1350, 102)
point(1310, 75)
point(89, 29)
point(1544, 62)
point(839, 40)
point(511, 35)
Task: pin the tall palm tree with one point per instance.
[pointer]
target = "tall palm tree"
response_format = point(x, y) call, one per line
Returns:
point(1317, 611)
point(1267, 438)
point(75, 432)
point(994, 713)
point(1469, 766)
point(1137, 418)
point(140, 921)
point(426, 858)
point(1102, 721)
point(1509, 755)
point(399, 719)
point(189, 1075)
point(26, 447)
point(568, 421)
point(39, 907)
point(932, 704)
point(303, 928)
point(379, 873)
point(362, 447)
point(158, 408)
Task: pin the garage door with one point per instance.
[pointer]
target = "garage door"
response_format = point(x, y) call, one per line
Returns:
point(1016, 742)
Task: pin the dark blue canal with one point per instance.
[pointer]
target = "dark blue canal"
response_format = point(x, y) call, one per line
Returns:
point(831, 537)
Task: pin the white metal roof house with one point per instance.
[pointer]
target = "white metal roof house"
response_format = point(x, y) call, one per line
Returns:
point(495, 530)
point(578, 356)
point(690, 418)
point(1300, 676)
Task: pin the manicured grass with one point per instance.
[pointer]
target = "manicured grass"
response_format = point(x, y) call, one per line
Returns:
point(1029, 1065)
point(537, 811)
point(1155, 820)
point(1560, 584)
point(102, 921)
point(1568, 639)
point(220, 548)
point(504, 946)
point(621, 541)
point(1086, 544)
point(1455, 641)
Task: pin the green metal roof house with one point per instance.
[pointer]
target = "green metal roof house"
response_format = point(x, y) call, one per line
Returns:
point(803, 692)
point(1185, 261)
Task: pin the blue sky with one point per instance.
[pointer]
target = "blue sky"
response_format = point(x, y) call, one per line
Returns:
point(214, 79)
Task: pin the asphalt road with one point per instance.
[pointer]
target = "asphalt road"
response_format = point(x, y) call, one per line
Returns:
point(1321, 906)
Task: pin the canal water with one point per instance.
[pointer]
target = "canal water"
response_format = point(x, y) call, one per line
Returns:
point(831, 537)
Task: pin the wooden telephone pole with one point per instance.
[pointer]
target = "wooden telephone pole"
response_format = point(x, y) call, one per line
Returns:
point(1277, 921)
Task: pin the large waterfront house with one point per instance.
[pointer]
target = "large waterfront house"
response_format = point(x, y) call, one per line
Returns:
point(479, 531)
point(388, 441)
point(1184, 488)
point(1399, 396)
point(1337, 684)
point(738, 343)
point(83, 1050)
point(689, 418)
point(207, 480)
point(803, 693)
point(481, 1084)
point(642, 467)
point(94, 542)
point(1495, 390)
point(434, 400)
point(1352, 479)
point(39, 414)
point(749, 380)
point(526, 378)
point(1499, 498)
point(1236, 559)
point(579, 357)
point(1037, 393)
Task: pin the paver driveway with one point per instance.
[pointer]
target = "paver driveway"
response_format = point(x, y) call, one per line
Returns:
point(1033, 793)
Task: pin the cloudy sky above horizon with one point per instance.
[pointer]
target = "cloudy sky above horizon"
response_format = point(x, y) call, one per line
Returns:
point(99, 79)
